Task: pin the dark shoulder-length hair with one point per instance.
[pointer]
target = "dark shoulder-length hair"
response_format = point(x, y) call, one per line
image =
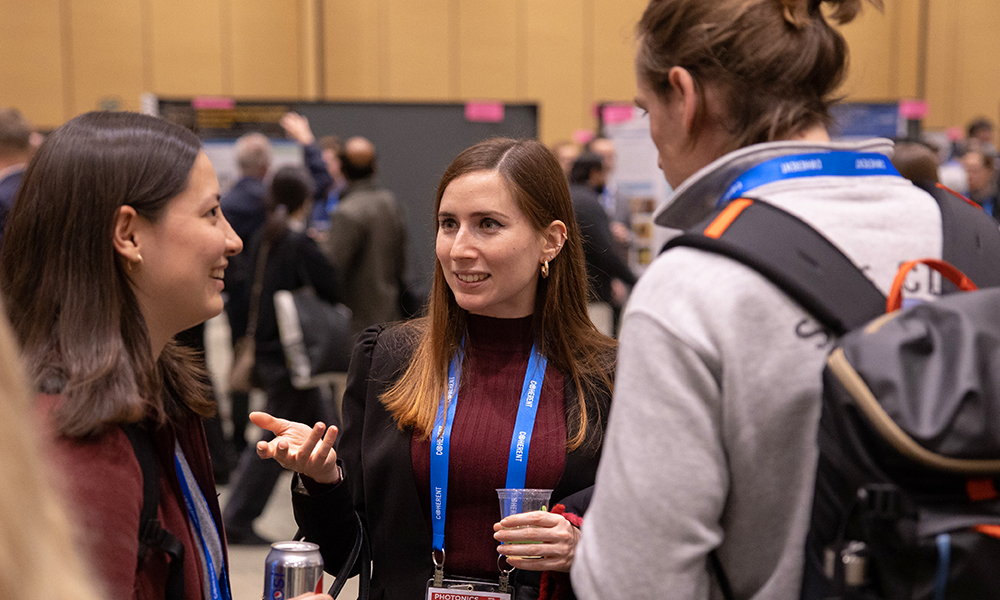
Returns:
point(561, 325)
point(68, 291)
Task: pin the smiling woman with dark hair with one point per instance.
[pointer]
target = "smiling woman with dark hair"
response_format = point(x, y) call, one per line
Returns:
point(116, 243)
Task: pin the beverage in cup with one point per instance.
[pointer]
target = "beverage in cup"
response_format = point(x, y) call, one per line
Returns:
point(514, 501)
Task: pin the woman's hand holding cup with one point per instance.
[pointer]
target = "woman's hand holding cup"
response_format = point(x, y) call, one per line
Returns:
point(296, 446)
point(548, 538)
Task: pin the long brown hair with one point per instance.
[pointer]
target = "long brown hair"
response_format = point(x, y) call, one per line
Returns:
point(68, 292)
point(776, 63)
point(561, 326)
point(35, 530)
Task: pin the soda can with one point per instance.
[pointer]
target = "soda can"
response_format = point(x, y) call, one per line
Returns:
point(291, 569)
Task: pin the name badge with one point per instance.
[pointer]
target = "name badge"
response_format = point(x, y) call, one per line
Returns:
point(458, 589)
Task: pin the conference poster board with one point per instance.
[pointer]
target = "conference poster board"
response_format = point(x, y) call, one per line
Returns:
point(638, 180)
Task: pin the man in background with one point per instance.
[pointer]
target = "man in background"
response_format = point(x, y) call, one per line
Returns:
point(566, 153)
point(243, 206)
point(980, 132)
point(978, 167)
point(367, 240)
point(17, 144)
point(330, 147)
point(607, 271)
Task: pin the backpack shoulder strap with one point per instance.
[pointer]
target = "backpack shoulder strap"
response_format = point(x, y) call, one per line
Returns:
point(970, 237)
point(792, 255)
point(151, 533)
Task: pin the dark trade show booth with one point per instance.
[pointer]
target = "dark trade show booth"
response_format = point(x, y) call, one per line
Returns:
point(415, 143)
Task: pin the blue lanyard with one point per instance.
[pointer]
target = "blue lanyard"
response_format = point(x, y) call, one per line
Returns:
point(218, 593)
point(520, 442)
point(795, 166)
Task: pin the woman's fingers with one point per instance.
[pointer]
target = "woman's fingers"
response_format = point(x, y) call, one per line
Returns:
point(304, 449)
point(548, 536)
point(265, 421)
point(304, 452)
point(535, 518)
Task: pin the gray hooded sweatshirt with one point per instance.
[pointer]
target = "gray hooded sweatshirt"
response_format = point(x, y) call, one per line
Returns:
point(711, 443)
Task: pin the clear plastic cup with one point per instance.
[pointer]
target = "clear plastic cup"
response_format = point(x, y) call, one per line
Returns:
point(514, 501)
point(519, 501)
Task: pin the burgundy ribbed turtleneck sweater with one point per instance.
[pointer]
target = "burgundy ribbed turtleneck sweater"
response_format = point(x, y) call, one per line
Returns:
point(497, 352)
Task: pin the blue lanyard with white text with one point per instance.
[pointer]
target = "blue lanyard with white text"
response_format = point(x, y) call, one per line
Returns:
point(821, 164)
point(517, 463)
point(218, 592)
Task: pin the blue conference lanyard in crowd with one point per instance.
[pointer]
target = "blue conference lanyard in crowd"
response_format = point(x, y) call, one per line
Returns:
point(217, 584)
point(517, 462)
point(820, 164)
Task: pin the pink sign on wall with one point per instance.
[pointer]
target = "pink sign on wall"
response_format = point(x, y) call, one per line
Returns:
point(617, 113)
point(484, 112)
point(213, 102)
point(913, 109)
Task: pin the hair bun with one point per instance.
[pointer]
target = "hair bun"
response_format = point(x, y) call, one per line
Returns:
point(798, 13)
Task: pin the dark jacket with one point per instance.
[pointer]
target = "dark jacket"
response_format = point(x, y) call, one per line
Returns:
point(366, 243)
point(603, 262)
point(312, 157)
point(102, 484)
point(378, 477)
point(293, 261)
point(243, 207)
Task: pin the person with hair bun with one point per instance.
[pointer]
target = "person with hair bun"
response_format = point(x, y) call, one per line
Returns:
point(507, 319)
point(711, 452)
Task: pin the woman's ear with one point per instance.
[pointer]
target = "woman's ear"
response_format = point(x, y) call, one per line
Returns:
point(123, 235)
point(682, 84)
point(554, 237)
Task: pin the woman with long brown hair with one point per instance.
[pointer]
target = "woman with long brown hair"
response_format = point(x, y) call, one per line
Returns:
point(509, 297)
point(115, 245)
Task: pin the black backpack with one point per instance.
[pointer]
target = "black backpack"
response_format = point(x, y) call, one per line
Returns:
point(152, 536)
point(906, 502)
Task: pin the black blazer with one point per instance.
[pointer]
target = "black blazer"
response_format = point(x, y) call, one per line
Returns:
point(378, 477)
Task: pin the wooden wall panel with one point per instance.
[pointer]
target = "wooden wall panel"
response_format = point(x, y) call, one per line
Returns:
point(873, 59)
point(421, 55)
point(61, 57)
point(553, 66)
point(944, 65)
point(978, 63)
point(187, 50)
point(266, 49)
point(906, 36)
point(487, 49)
point(31, 60)
point(614, 47)
point(310, 50)
point(354, 56)
point(106, 47)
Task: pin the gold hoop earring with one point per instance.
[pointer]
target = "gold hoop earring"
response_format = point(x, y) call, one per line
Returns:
point(545, 269)
point(132, 267)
